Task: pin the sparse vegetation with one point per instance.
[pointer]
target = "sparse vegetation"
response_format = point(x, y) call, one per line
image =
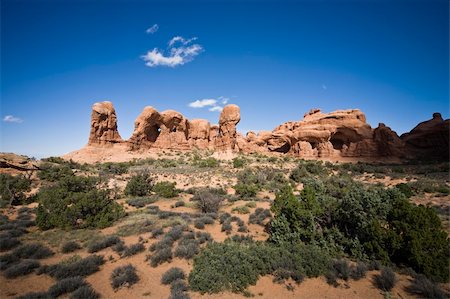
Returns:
point(172, 274)
point(425, 288)
point(79, 267)
point(103, 243)
point(70, 246)
point(23, 267)
point(208, 200)
point(386, 280)
point(124, 276)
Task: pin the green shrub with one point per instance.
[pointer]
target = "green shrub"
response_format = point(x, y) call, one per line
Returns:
point(70, 246)
point(139, 185)
point(222, 267)
point(234, 266)
point(165, 189)
point(405, 189)
point(172, 274)
point(124, 276)
point(342, 269)
point(238, 162)
point(13, 188)
point(386, 280)
point(114, 168)
point(207, 163)
point(54, 173)
point(177, 289)
point(241, 210)
point(246, 190)
point(259, 216)
point(74, 202)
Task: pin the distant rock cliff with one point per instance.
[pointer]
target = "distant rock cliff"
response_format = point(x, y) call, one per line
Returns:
point(334, 135)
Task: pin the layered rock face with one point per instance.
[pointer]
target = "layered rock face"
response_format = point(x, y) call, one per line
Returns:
point(342, 133)
point(104, 125)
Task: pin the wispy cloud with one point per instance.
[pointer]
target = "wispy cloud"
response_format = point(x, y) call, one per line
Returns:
point(203, 103)
point(152, 29)
point(12, 119)
point(216, 108)
point(215, 105)
point(180, 51)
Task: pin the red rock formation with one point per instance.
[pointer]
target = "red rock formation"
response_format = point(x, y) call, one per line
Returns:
point(229, 118)
point(342, 133)
point(429, 139)
point(103, 125)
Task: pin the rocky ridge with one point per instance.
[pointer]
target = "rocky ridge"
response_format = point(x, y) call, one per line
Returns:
point(338, 134)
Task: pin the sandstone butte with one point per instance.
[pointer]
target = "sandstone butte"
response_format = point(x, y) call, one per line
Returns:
point(336, 136)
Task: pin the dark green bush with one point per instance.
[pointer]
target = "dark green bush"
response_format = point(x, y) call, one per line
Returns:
point(172, 274)
point(165, 189)
point(234, 266)
point(54, 173)
point(103, 243)
point(386, 280)
point(246, 190)
point(13, 188)
point(24, 267)
point(259, 216)
point(124, 276)
point(342, 269)
point(74, 202)
point(139, 185)
point(117, 168)
point(70, 246)
point(405, 189)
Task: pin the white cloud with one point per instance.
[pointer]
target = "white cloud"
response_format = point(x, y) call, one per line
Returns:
point(12, 119)
point(203, 103)
point(176, 56)
point(216, 108)
point(152, 29)
point(223, 100)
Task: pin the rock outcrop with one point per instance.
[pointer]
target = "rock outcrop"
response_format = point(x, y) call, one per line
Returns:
point(342, 133)
point(104, 125)
point(429, 139)
point(229, 118)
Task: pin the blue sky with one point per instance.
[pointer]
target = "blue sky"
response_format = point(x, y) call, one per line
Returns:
point(275, 59)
